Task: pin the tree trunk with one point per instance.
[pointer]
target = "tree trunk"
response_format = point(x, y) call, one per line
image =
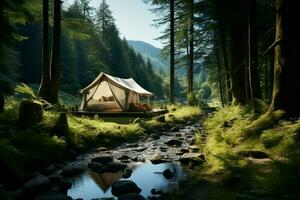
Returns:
point(221, 27)
point(45, 79)
point(286, 86)
point(191, 44)
point(237, 68)
point(217, 51)
point(55, 59)
point(253, 76)
point(172, 51)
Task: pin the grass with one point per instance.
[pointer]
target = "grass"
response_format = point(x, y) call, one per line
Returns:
point(242, 178)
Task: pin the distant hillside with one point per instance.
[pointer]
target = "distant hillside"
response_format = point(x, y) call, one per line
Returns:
point(149, 51)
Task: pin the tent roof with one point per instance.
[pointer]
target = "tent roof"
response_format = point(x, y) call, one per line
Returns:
point(128, 84)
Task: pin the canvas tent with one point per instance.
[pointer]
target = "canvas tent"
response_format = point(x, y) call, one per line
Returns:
point(107, 92)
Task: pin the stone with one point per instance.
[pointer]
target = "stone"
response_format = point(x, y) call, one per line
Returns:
point(127, 173)
point(36, 186)
point(55, 178)
point(64, 185)
point(192, 141)
point(71, 171)
point(161, 118)
point(184, 151)
point(154, 191)
point(254, 154)
point(30, 113)
point(131, 196)
point(174, 142)
point(97, 167)
point(61, 127)
point(53, 196)
point(140, 149)
point(132, 145)
point(123, 187)
point(104, 159)
point(124, 157)
point(116, 166)
point(49, 170)
point(157, 159)
point(178, 134)
point(70, 155)
point(194, 148)
point(155, 136)
point(193, 158)
point(175, 129)
point(168, 174)
point(102, 149)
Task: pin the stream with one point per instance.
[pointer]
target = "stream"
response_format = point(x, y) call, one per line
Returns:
point(143, 162)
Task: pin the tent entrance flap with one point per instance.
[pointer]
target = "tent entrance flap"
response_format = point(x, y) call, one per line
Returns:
point(119, 95)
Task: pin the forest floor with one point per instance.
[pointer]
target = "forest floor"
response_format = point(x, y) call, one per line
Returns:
point(264, 165)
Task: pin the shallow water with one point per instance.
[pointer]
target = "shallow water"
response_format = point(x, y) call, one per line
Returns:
point(147, 176)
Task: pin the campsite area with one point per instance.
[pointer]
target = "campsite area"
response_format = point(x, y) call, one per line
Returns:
point(149, 100)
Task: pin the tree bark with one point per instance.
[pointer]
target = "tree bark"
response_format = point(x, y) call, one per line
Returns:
point(217, 51)
point(191, 47)
point(286, 86)
point(45, 79)
point(55, 59)
point(172, 50)
point(253, 76)
point(237, 68)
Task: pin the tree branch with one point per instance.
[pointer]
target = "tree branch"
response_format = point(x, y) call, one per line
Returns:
point(275, 43)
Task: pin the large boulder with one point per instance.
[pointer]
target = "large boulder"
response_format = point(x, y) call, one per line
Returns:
point(30, 113)
point(104, 159)
point(192, 158)
point(97, 167)
point(71, 171)
point(61, 127)
point(123, 187)
point(131, 196)
point(116, 166)
point(36, 186)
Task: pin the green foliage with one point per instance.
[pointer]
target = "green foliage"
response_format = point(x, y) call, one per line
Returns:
point(192, 99)
point(267, 179)
point(25, 90)
point(205, 91)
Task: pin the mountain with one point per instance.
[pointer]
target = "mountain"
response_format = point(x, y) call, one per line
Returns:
point(149, 51)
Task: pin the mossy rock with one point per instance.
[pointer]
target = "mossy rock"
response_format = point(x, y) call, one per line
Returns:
point(61, 127)
point(161, 118)
point(30, 113)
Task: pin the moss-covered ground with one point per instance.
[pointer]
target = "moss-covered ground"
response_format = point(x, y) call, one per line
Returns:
point(230, 173)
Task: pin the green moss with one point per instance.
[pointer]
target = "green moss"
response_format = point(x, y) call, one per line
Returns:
point(240, 177)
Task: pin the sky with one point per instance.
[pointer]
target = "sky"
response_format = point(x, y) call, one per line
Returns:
point(133, 19)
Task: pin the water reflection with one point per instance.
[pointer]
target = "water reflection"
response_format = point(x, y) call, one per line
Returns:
point(147, 176)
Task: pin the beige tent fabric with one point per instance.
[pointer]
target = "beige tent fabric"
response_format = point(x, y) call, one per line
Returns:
point(123, 91)
point(128, 84)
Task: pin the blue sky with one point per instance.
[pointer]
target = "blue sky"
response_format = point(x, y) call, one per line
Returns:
point(133, 19)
